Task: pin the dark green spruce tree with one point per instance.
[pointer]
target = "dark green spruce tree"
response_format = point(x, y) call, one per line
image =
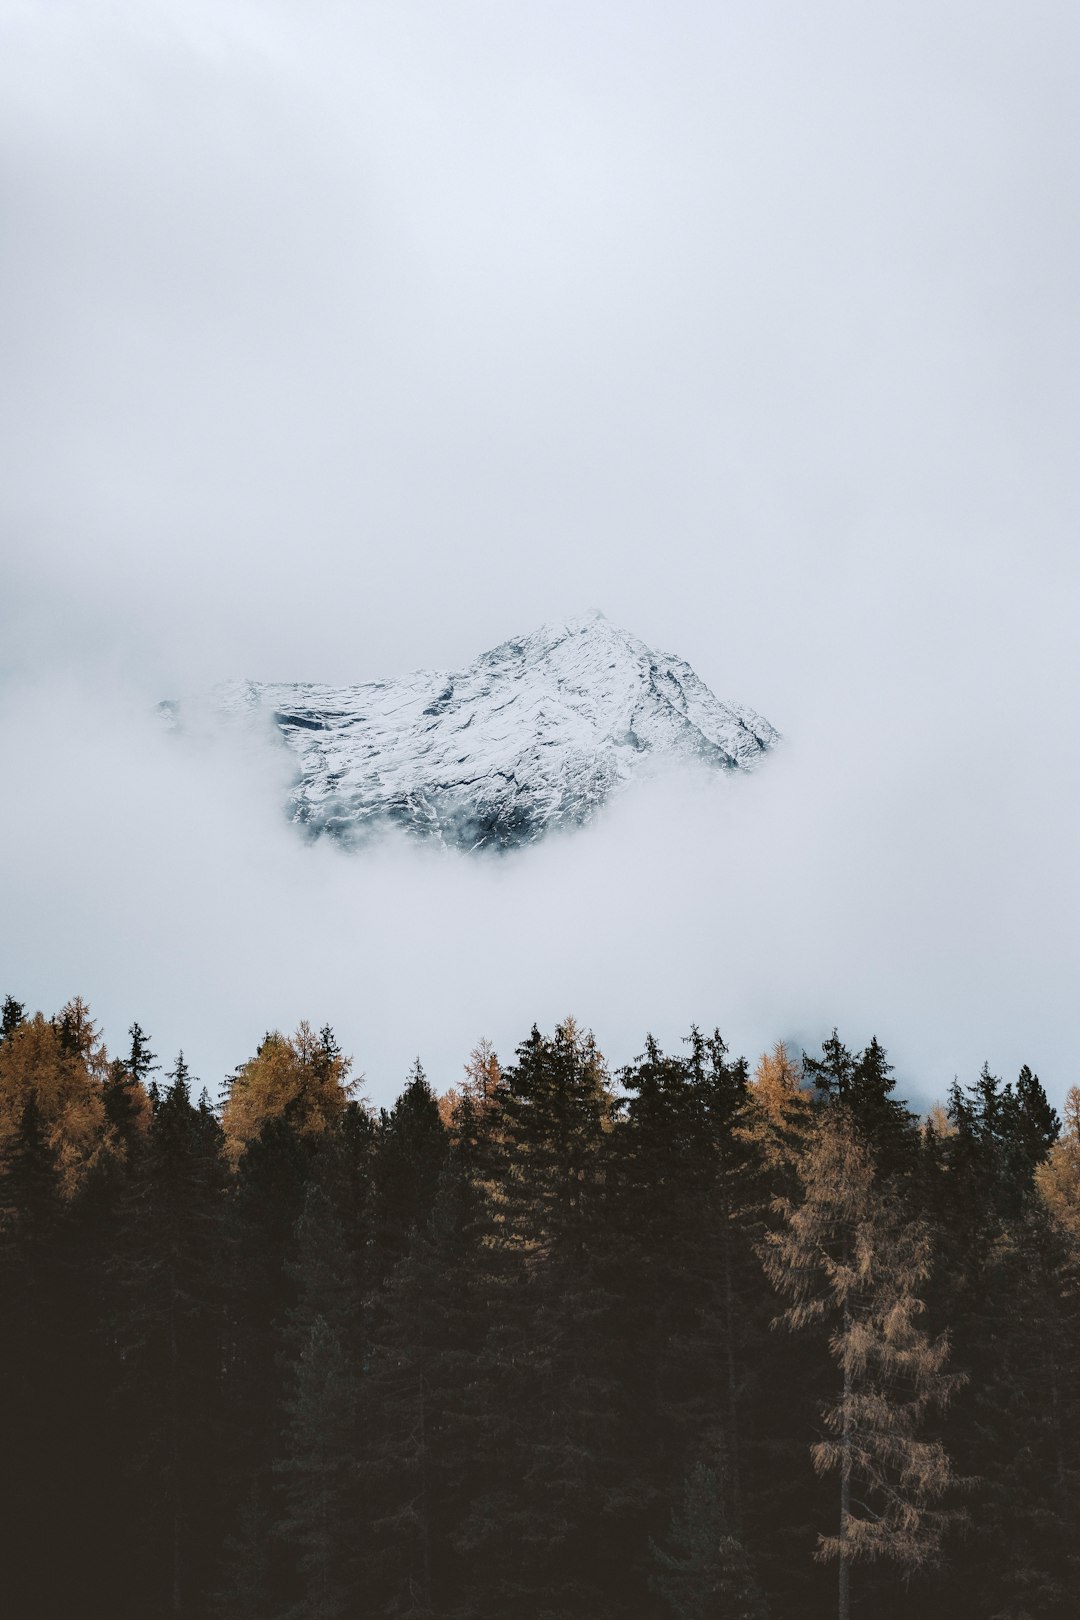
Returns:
point(864, 1084)
point(11, 1016)
point(705, 1572)
point(546, 1401)
point(409, 1155)
point(430, 1323)
point(686, 1196)
point(1015, 1429)
point(316, 1469)
point(33, 1327)
point(169, 1338)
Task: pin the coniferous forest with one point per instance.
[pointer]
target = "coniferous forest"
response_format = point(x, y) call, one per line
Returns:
point(692, 1341)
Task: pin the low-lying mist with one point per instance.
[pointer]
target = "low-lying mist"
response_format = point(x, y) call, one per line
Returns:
point(888, 884)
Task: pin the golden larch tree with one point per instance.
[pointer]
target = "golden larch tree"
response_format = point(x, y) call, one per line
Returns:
point(781, 1109)
point(851, 1262)
point(1058, 1177)
point(302, 1079)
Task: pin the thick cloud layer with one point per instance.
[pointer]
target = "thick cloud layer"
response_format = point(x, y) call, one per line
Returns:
point(340, 340)
point(906, 881)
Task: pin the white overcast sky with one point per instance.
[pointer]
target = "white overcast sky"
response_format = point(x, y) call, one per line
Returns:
point(339, 339)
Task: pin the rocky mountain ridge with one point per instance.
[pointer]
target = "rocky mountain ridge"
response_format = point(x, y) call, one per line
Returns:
point(534, 734)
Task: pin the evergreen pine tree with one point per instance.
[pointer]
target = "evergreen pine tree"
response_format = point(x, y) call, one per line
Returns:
point(141, 1062)
point(245, 1589)
point(687, 1167)
point(32, 1328)
point(317, 1463)
point(287, 1110)
point(709, 1573)
point(1021, 1433)
point(169, 1335)
point(544, 1429)
point(410, 1152)
point(1036, 1126)
point(1002, 1136)
point(864, 1085)
point(426, 1366)
point(264, 1201)
point(11, 1017)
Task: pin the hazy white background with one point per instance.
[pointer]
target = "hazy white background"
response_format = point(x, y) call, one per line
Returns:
point(339, 339)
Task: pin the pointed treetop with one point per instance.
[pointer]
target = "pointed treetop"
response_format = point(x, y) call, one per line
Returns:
point(141, 1061)
point(13, 1015)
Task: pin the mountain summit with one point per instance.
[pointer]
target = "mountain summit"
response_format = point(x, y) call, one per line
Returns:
point(534, 735)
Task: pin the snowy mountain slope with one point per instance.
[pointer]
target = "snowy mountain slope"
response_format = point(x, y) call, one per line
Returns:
point(535, 734)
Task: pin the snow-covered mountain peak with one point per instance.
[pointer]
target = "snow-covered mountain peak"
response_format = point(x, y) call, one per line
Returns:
point(534, 734)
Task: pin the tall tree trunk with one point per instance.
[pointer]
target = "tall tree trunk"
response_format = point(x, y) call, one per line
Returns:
point(425, 1506)
point(732, 1448)
point(1064, 1495)
point(176, 1595)
point(844, 1573)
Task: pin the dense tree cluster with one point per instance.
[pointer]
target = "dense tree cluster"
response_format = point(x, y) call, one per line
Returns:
point(686, 1343)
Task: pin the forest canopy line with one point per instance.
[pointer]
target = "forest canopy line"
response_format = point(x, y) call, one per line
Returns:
point(691, 1340)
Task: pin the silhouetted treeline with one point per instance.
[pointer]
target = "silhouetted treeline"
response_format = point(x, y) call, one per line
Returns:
point(686, 1342)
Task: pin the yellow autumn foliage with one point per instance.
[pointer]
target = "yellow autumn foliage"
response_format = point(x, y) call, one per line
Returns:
point(59, 1063)
point(938, 1121)
point(782, 1108)
point(479, 1085)
point(1058, 1177)
point(301, 1078)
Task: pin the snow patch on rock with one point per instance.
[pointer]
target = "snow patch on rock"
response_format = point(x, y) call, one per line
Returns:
point(534, 735)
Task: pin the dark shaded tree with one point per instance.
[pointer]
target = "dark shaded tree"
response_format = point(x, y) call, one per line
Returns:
point(411, 1149)
point(545, 1411)
point(169, 1334)
point(32, 1344)
point(317, 1464)
point(685, 1202)
point(864, 1084)
point(11, 1016)
point(707, 1572)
